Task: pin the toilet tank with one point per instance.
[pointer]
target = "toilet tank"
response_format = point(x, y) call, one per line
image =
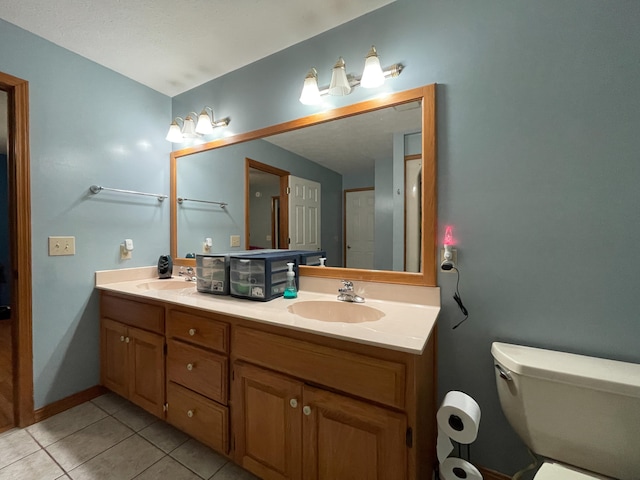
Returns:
point(578, 410)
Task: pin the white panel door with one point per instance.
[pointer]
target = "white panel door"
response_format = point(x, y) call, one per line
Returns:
point(359, 224)
point(304, 214)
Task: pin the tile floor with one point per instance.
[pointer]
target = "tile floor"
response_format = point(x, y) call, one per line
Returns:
point(109, 438)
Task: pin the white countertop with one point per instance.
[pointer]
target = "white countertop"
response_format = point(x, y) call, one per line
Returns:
point(410, 312)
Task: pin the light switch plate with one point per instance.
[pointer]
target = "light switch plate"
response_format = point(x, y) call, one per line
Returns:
point(62, 246)
point(235, 241)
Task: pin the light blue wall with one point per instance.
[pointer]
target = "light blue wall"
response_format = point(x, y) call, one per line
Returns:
point(538, 121)
point(88, 125)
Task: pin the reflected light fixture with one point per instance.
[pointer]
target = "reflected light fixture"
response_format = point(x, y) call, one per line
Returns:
point(341, 84)
point(186, 128)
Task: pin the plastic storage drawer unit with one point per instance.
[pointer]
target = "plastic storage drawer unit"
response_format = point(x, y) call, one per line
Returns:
point(261, 276)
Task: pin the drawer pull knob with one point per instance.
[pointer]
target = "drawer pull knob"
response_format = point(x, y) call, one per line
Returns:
point(192, 331)
point(122, 338)
point(293, 402)
point(306, 410)
point(189, 366)
point(126, 340)
point(190, 413)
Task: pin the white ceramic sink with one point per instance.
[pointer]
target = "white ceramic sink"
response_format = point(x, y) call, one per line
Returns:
point(168, 284)
point(335, 311)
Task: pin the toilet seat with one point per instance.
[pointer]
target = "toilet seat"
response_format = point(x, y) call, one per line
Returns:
point(557, 471)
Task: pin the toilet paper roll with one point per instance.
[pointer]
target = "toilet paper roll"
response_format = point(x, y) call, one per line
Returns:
point(457, 468)
point(443, 446)
point(459, 417)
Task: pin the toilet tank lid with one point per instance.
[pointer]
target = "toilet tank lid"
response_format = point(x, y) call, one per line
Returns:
point(590, 372)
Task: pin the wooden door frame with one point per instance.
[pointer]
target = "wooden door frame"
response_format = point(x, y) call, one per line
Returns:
point(20, 241)
point(344, 219)
point(284, 212)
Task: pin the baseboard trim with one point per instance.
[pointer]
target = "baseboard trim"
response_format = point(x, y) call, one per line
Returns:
point(492, 474)
point(68, 402)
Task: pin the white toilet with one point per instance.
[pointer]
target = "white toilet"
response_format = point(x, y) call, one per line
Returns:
point(582, 414)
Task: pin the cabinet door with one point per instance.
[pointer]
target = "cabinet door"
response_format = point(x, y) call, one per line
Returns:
point(267, 423)
point(114, 359)
point(146, 370)
point(346, 439)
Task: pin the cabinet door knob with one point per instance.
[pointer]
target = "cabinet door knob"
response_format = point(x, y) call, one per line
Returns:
point(122, 338)
point(192, 331)
point(190, 413)
point(126, 340)
point(189, 366)
point(306, 410)
point(293, 402)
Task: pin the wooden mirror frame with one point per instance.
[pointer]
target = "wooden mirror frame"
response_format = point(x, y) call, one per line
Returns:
point(427, 95)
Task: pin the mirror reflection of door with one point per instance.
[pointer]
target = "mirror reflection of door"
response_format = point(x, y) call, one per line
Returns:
point(6, 358)
point(304, 214)
point(264, 218)
point(359, 227)
point(413, 213)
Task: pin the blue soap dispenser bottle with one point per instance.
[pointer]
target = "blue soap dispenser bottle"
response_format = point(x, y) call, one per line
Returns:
point(290, 290)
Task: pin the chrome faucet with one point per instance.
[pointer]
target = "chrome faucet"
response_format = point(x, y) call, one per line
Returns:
point(346, 293)
point(190, 275)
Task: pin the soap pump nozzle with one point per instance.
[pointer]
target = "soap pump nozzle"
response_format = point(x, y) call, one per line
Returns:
point(290, 290)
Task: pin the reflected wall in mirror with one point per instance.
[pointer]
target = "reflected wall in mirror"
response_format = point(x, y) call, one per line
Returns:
point(400, 172)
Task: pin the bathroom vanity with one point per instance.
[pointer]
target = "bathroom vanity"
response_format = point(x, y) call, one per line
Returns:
point(283, 395)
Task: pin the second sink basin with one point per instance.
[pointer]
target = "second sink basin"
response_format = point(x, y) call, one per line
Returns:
point(168, 284)
point(335, 311)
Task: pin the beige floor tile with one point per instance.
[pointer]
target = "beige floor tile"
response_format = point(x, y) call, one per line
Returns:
point(168, 469)
point(14, 445)
point(64, 424)
point(85, 444)
point(121, 462)
point(233, 472)
point(38, 466)
point(164, 436)
point(110, 402)
point(199, 458)
point(134, 417)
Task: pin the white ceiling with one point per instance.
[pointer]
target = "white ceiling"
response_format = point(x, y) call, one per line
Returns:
point(174, 46)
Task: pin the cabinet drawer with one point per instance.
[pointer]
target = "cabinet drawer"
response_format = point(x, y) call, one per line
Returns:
point(199, 417)
point(198, 329)
point(372, 378)
point(136, 314)
point(198, 369)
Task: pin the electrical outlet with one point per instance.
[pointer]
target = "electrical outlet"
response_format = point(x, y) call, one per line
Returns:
point(62, 246)
point(124, 253)
point(234, 241)
point(453, 260)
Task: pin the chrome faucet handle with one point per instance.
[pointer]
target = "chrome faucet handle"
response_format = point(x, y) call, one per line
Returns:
point(347, 285)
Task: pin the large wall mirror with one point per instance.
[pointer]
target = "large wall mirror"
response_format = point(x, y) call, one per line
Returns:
point(372, 166)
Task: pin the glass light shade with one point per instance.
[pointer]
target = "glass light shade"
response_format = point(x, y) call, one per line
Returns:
point(310, 93)
point(189, 128)
point(372, 76)
point(204, 126)
point(174, 135)
point(339, 82)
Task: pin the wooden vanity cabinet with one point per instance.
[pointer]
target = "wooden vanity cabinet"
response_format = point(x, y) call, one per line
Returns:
point(198, 375)
point(283, 428)
point(305, 410)
point(132, 351)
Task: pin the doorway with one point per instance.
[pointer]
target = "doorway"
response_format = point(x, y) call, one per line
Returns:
point(359, 227)
point(262, 183)
point(19, 404)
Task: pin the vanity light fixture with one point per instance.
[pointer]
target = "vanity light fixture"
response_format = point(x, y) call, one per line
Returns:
point(184, 128)
point(341, 84)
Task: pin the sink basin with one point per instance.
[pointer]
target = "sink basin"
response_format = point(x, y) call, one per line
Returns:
point(168, 284)
point(335, 311)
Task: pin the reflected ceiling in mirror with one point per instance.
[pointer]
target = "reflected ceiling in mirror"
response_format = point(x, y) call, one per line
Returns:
point(417, 106)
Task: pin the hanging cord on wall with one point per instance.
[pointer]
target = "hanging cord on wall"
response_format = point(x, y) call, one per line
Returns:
point(456, 297)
